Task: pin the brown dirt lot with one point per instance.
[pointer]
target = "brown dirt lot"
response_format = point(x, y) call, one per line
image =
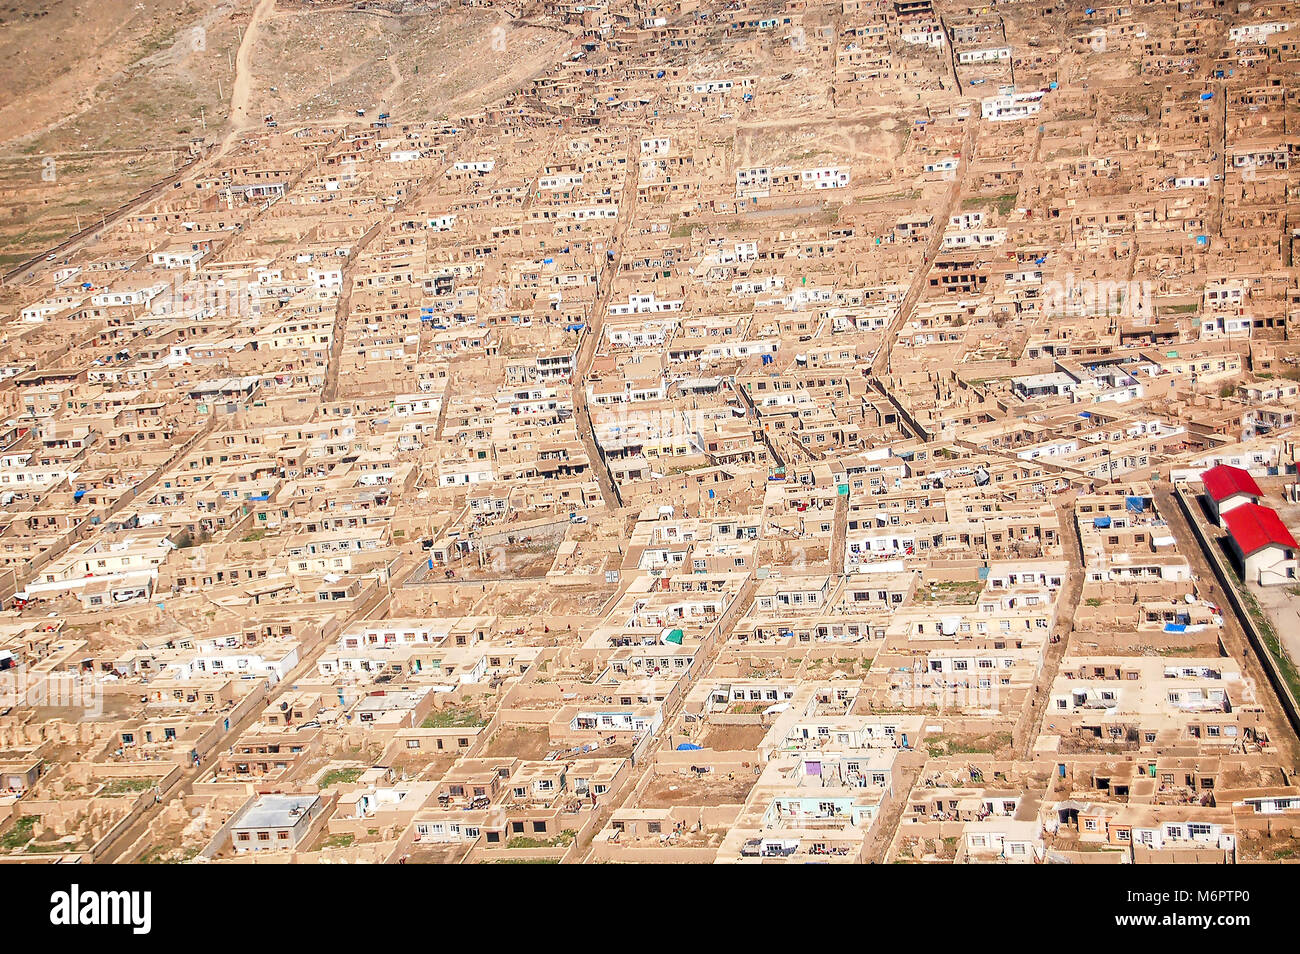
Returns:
point(437, 854)
point(520, 742)
point(734, 738)
point(712, 788)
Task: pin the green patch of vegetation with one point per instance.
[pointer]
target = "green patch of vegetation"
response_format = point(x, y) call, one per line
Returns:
point(950, 592)
point(1002, 204)
point(522, 861)
point(187, 539)
point(49, 848)
point(164, 855)
point(19, 833)
point(340, 777)
point(1272, 643)
point(907, 195)
point(254, 536)
point(127, 786)
point(941, 746)
point(154, 43)
point(338, 841)
point(454, 717)
point(1092, 601)
point(563, 839)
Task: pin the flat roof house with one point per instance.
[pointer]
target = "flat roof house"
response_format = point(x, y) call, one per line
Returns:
point(275, 823)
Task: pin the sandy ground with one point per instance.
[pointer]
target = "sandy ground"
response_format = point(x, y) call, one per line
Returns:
point(519, 742)
point(112, 91)
point(1283, 608)
point(734, 738)
point(711, 788)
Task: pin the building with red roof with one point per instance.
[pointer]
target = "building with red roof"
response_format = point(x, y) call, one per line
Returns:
point(1228, 487)
point(1264, 548)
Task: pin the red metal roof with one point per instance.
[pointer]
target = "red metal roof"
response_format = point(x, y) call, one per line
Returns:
point(1223, 481)
point(1255, 527)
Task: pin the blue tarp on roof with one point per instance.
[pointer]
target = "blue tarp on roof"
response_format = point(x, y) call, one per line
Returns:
point(1175, 628)
point(1101, 522)
point(78, 495)
point(577, 326)
point(687, 747)
point(1136, 504)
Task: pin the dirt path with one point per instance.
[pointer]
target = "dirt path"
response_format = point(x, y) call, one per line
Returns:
point(880, 363)
point(840, 532)
point(876, 844)
point(1029, 726)
point(242, 87)
point(744, 602)
point(414, 195)
point(130, 837)
point(1234, 636)
point(386, 97)
point(596, 327)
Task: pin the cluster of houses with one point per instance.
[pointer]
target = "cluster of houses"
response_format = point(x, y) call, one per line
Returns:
point(781, 433)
